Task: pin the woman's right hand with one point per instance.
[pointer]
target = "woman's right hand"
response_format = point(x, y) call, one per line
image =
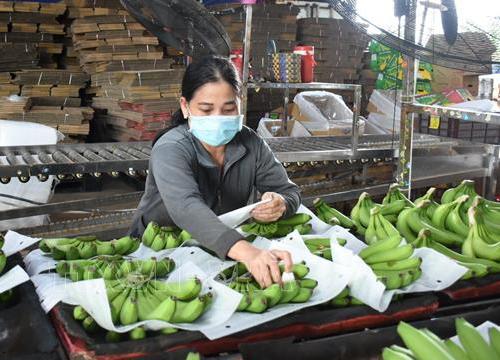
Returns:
point(262, 264)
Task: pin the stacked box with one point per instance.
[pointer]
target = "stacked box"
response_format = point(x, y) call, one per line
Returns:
point(338, 48)
point(31, 35)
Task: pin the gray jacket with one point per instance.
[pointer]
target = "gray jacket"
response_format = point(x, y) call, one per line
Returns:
point(186, 188)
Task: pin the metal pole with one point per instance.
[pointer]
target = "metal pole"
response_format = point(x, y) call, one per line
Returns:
point(406, 127)
point(355, 119)
point(246, 57)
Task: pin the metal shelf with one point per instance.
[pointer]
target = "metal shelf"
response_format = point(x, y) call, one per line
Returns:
point(304, 86)
point(490, 118)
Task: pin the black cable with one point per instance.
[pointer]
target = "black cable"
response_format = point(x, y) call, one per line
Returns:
point(21, 199)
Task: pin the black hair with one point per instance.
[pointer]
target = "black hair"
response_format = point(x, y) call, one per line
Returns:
point(206, 70)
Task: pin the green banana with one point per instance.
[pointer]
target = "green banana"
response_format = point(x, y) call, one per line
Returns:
point(188, 312)
point(302, 296)
point(393, 208)
point(423, 239)
point(393, 281)
point(395, 254)
point(456, 350)
point(139, 333)
point(380, 247)
point(390, 354)
point(300, 270)
point(272, 294)
point(440, 214)
point(494, 334)
point(472, 341)
point(308, 283)
point(454, 222)
point(150, 233)
point(480, 248)
point(113, 337)
point(90, 325)
point(429, 195)
point(164, 311)
point(169, 331)
point(403, 227)
point(79, 313)
point(186, 290)
point(244, 302)
point(124, 245)
point(3, 260)
point(129, 311)
point(289, 291)
point(323, 208)
point(421, 344)
point(297, 219)
point(340, 302)
point(104, 248)
point(406, 264)
point(417, 222)
point(117, 303)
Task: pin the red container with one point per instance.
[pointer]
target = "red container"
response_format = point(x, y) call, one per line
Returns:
point(237, 59)
point(308, 63)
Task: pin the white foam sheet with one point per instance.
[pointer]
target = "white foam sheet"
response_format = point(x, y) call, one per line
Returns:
point(91, 295)
point(332, 279)
point(15, 242)
point(366, 288)
point(12, 278)
point(483, 329)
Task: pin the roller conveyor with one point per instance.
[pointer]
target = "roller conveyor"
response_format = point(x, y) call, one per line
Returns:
point(131, 158)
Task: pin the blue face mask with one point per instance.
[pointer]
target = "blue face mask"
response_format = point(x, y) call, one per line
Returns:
point(215, 130)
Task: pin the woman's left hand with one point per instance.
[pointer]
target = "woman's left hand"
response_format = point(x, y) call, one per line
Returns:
point(272, 210)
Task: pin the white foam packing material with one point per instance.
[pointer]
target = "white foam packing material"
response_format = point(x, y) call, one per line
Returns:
point(332, 279)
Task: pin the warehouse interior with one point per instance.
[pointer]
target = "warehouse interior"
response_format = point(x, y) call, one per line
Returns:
point(383, 116)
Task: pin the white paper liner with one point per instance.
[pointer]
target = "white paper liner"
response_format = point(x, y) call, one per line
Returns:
point(91, 295)
point(15, 242)
point(12, 278)
point(332, 279)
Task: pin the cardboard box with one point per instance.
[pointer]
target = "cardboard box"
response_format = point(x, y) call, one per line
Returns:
point(445, 79)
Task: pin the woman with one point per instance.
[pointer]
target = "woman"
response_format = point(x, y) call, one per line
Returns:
point(207, 164)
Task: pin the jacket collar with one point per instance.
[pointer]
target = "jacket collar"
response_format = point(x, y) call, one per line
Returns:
point(235, 150)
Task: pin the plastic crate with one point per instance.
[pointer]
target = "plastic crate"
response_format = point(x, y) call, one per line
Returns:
point(309, 323)
point(458, 129)
point(26, 331)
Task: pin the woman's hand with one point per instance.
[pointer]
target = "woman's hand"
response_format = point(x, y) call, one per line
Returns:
point(262, 264)
point(272, 210)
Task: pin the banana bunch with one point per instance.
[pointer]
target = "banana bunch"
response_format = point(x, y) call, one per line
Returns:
point(344, 299)
point(466, 187)
point(138, 298)
point(257, 300)
point(90, 325)
point(360, 213)
point(113, 267)
point(331, 215)
point(87, 247)
point(394, 202)
point(3, 257)
point(379, 228)
point(429, 195)
point(392, 262)
point(412, 220)
point(491, 216)
point(281, 227)
point(321, 246)
point(423, 344)
point(164, 237)
point(480, 242)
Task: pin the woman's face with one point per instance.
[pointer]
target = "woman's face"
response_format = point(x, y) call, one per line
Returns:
point(216, 98)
